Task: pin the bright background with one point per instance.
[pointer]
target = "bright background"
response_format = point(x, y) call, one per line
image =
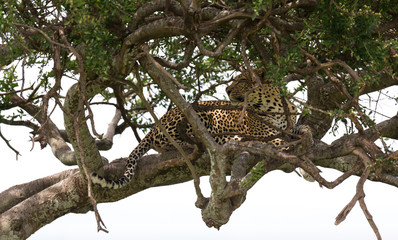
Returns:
point(280, 206)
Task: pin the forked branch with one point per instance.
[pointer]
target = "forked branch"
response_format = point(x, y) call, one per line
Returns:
point(360, 194)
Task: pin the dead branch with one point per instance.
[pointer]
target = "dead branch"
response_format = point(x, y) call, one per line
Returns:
point(27, 124)
point(110, 133)
point(120, 105)
point(58, 71)
point(9, 145)
point(360, 194)
point(38, 30)
point(59, 147)
point(212, 87)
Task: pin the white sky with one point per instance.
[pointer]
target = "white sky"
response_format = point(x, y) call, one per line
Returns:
point(280, 206)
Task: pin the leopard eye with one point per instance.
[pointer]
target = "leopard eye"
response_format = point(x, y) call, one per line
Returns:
point(240, 99)
point(262, 75)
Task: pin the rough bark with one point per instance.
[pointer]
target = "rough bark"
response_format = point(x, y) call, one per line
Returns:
point(42, 201)
point(25, 208)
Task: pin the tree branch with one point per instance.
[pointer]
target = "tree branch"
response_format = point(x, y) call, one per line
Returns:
point(360, 194)
point(165, 82)
point(326, 96)
point(59, 147)
point(151, 7)
point(184, 63)
point(200, 198)
point(106, 142)
point(227, 40)
point(9, 145)
point(154, 170)
point(18, 193)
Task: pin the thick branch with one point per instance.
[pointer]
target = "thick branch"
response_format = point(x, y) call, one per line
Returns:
point(106, 142)
point(167, 27)
point(228, 39)
point(184, 63)
point(18, 193)
point(151, 7)
point(22, 220)
point(59, 147)
point(154, 170)
point(326, 96)
point(166, 83)
point(70, 194)
point(72, 100)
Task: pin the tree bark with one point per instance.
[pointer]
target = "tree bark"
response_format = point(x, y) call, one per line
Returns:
point(66, 192)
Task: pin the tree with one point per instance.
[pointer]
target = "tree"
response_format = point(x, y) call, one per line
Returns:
point(135, 55)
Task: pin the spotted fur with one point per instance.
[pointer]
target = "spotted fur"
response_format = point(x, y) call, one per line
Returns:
point(265, 98)
point(221, 118)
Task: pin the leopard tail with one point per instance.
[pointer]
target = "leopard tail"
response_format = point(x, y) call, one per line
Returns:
point(132, 161)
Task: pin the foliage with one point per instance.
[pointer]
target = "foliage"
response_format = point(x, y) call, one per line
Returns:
point(334, 53)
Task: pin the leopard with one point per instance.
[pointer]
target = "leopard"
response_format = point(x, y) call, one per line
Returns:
point(264, 97)
point(267, 99)
point(225, 121)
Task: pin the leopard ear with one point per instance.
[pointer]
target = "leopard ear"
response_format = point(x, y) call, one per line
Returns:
point(261, 73)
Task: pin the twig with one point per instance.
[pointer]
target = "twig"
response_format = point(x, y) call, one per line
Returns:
point(44, 128)
point(351, 71)
point(57, 70)
point(17, 91)
point(200, 93)
point(120, 105)
point(9, 145)
point(42, 33)
point(25, 123)
point(369, 217)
